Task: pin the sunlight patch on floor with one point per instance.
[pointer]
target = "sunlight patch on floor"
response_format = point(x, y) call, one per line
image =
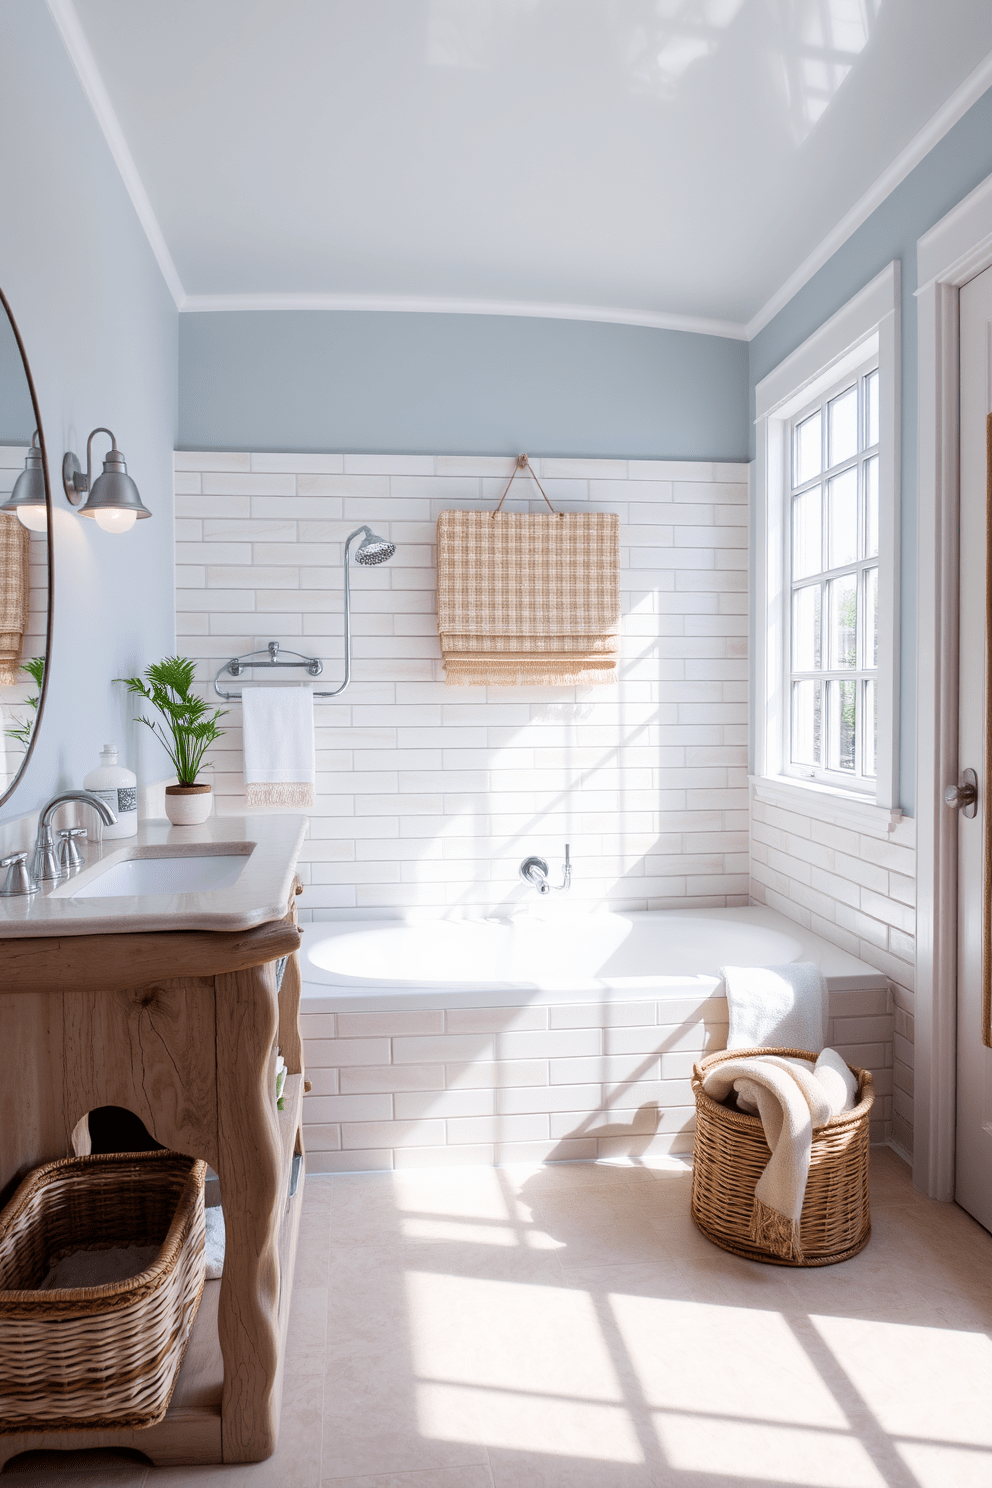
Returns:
point(748, 1451)
point(524, 1422)
point(731, 1361)
point(896, 1369)
point(936, 1466)
point(510, 1336)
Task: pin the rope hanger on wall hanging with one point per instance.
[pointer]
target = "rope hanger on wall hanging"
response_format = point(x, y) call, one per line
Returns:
point(523, 463)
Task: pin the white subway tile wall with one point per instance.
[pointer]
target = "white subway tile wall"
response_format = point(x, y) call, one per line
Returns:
point(561, 1083)
point(429, 797)
point(856, 888)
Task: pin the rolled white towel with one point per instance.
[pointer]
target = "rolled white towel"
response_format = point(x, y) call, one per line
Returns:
point(837, 1080)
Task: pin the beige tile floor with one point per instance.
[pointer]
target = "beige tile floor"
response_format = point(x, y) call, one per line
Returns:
point(569, 1328)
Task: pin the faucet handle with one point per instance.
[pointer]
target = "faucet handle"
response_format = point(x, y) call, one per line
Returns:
point(69, 855)
point(18, 880)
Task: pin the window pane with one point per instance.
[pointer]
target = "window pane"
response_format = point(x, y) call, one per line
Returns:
point(843, 602)
point(840, 725)
point(806, 723)
point(871, 617)
point(842, 427)
point(806, 629)
point(871, 409)
point(870, 725)
point(842, 515)
point(871, 507)
point(806, 534)
point(808, 450)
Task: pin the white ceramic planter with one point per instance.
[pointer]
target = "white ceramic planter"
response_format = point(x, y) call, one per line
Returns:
point(188, 805)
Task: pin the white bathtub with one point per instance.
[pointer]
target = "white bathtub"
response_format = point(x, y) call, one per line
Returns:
point(365, 965)
point(565, 1040)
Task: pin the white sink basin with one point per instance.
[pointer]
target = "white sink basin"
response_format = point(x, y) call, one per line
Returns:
point(186, 874)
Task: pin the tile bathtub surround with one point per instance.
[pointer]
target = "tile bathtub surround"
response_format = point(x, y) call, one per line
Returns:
point(567, 1083)
point(855, 886)
point(429, 797)
point(570, 1327)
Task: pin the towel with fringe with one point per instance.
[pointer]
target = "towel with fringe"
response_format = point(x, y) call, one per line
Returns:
point(792, 1097)
point(15, 592)
point(528, 598)
point(278, 742)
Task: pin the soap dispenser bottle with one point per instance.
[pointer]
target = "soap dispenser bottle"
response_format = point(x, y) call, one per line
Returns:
point(119, 788)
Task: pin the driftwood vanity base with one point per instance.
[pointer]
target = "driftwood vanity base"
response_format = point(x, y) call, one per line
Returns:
point(180, 1028)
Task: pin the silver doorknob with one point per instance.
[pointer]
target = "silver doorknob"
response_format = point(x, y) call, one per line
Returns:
point(964, 796)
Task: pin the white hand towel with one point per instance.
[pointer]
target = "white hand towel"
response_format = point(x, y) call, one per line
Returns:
point(792, 1101)
point(215, 1241)
point(783, 1006)
point(278, 744)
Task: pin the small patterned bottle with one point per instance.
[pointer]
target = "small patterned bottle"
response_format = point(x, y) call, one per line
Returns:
point(119, 788)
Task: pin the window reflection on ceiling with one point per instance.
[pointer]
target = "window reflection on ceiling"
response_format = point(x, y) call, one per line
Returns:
point(668, 36)
point(658, 43)
point(821, 41)
point(472, 34)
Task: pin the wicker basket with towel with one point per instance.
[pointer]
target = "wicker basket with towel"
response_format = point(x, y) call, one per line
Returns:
point(780, 1157)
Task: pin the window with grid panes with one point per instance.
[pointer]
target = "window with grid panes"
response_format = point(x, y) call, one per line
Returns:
point(833, 643)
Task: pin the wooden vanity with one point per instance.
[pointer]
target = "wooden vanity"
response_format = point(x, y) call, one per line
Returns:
point(180, 1027)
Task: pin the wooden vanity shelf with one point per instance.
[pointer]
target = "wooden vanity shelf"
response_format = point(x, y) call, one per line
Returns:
point(180, 1027)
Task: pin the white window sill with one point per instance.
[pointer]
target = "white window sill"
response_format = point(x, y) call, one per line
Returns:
point(827, 803)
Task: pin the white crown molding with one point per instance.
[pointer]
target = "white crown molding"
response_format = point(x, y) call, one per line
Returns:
point(960, 101)
point(83, 60)
point(446, 305)
point(954, 249)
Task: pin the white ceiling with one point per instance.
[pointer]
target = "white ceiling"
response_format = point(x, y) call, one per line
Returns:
point(671, 157)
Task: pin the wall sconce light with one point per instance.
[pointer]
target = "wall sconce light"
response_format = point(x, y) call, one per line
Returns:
point(27, 499)
point(113, 499)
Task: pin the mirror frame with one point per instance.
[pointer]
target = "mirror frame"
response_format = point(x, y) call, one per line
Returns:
point(50, 533)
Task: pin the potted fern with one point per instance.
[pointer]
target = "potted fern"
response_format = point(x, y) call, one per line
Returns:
point(185, 729)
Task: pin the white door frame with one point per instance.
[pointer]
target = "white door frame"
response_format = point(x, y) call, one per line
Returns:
point(952, 252)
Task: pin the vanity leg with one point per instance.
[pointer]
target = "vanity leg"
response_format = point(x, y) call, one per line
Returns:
point(248, 1168)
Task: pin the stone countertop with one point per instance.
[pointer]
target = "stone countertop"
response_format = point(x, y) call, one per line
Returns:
point(270, 845)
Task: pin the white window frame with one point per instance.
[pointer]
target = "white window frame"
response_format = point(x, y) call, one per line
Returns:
point(867, 327)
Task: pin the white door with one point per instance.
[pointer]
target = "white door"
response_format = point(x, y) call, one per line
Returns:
point(973, 1184)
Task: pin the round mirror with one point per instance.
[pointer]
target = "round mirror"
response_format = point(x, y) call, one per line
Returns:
point(25, 557)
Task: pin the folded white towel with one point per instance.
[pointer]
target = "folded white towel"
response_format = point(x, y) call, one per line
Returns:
point(215, 1242)
point(793, 1098)
point(278, 744)
point(783, 1006)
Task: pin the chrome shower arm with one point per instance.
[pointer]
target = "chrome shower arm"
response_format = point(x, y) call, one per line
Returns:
point(347, 610)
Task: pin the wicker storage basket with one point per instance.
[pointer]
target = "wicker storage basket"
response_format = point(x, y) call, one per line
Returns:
point(730, 1153)
point(108, 1355)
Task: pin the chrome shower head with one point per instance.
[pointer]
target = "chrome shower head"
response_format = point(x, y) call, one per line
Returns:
point(374, 549)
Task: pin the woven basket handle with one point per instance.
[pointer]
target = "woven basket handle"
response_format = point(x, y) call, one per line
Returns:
point(524, 464)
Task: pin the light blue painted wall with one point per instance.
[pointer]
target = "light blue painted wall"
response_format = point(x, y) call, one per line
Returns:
point(101, 334)
point(457, 384)
point(955, 166)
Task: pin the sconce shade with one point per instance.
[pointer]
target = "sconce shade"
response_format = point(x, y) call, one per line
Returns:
point(114, 500)
point(27, 499)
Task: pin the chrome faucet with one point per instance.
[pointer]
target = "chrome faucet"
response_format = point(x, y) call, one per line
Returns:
point(534, 871)
point(45, 865)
